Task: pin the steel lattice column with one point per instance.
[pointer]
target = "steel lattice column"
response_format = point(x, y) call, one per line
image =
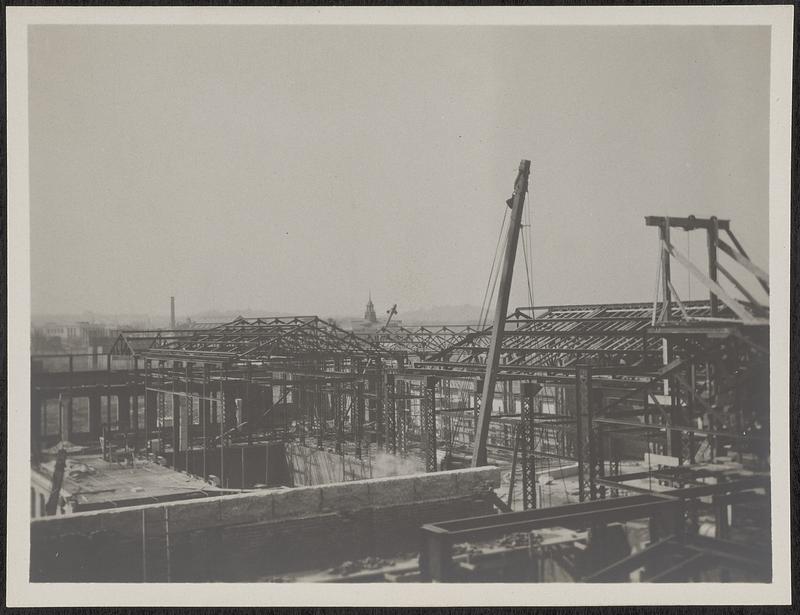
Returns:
point(402, 418)
point(613, 464)
point(338, 415)
point(357, 405)
point(302, 408)
point(687, 452)
point(220, 411)
point(248, 413)
point(594, 444)
point(583, 393)
point(319, 397)
point(162, 410)
point(205, 411)
point(428, 423)
point(187, 417)
point(176, 416)
point(135, 401)
point(357, 415)
point(379, 418)
point(596, 456)
point(527, 436)
point(477, 409)
point(149, 410)
point(389, 413)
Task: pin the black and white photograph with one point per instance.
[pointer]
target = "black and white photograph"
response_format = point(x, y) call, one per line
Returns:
point(488, 301)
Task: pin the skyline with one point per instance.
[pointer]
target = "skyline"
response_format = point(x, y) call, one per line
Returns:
point(453, 314)
point(306, 165)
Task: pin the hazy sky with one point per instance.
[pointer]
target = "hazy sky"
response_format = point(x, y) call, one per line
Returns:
point(293, 168)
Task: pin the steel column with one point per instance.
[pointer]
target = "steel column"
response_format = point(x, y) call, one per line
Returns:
point(338, 416)
point(379, 418)
point(135, 411)
point(527, 437)
point(357, 408)
point(477, 397)
point(176, 417)
point(402, 418)
point(162, 410)
point(248, 409)
point(205, 408)
point(302, 409)
point(583, 393)
point(65, 418)
point(687, 456)
point(186, 416)
point(220, 411)
point(319, 398)
point(428, 423)
point(150, 402)
point(596, 456)
point(390, 413)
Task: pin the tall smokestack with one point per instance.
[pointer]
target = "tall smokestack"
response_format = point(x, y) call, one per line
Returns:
point(172, 312)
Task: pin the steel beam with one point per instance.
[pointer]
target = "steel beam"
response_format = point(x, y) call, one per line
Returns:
point(687, 224)
point(438, 538)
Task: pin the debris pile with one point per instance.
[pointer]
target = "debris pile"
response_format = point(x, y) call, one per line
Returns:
point(464, 547)
point(367, 563)
point(520, 539)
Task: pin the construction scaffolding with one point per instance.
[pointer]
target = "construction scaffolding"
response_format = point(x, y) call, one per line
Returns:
point(678, 386)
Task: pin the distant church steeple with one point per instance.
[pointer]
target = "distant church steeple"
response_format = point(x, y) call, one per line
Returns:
point(369, 314)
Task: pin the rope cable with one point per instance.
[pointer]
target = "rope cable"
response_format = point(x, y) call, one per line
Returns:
point(649, 467)
point(689, 256)
point(492, 270)
point(491, 297)
point(658, 280)
point(529, 217)
point(525, 252)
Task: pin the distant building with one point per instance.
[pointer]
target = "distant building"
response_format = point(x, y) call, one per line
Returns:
point(71, 336)
point(369, 324)
point(369, 313)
